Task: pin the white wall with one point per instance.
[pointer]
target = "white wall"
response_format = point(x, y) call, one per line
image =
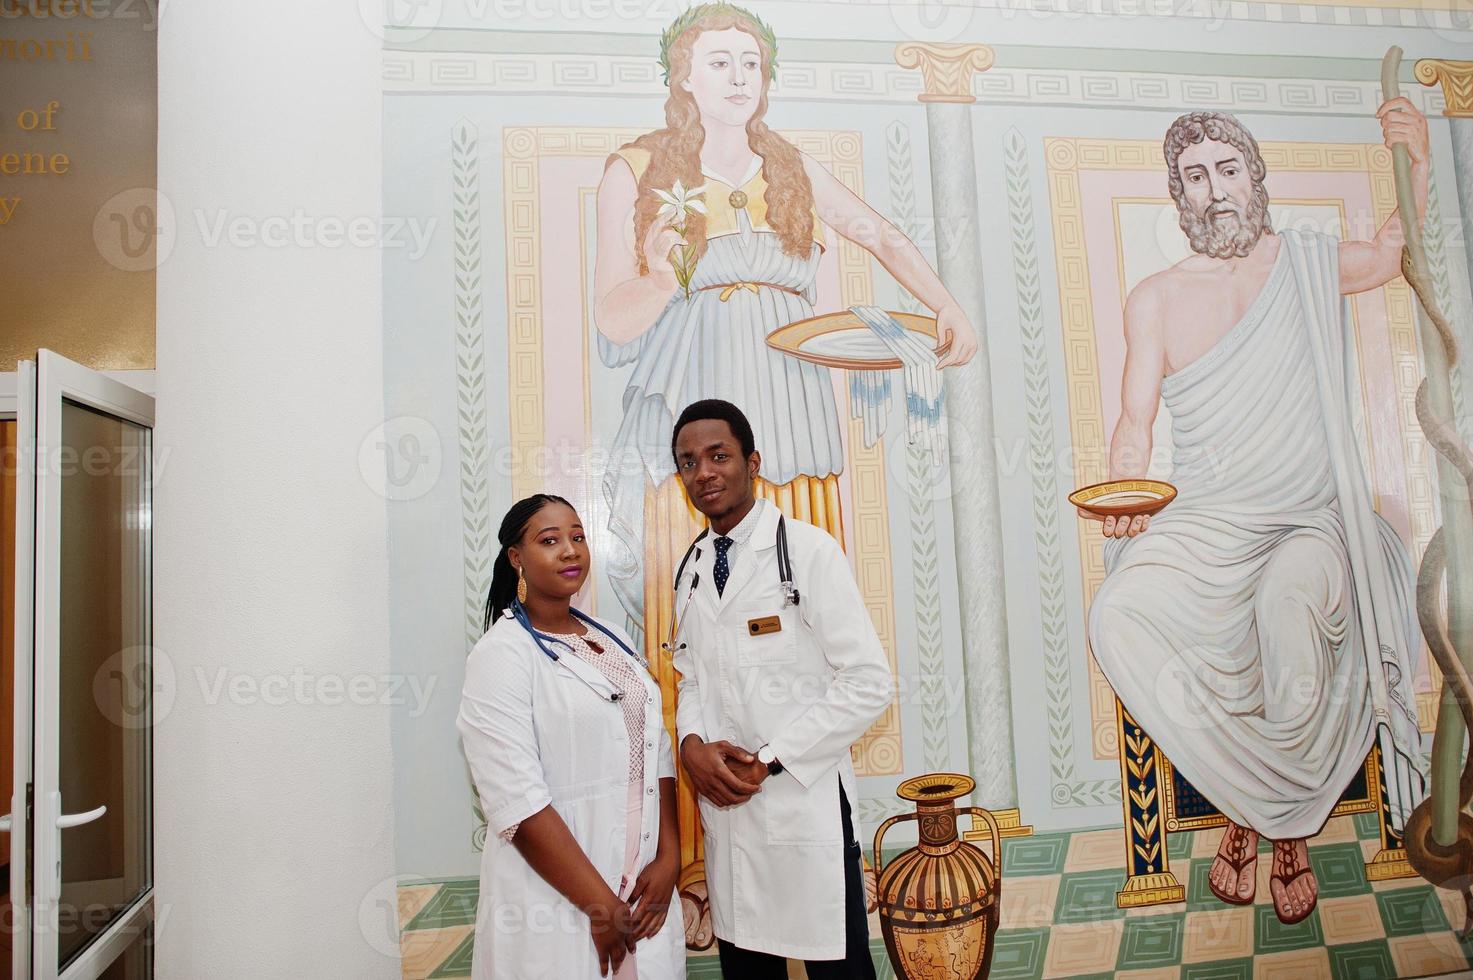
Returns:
point(274, 835)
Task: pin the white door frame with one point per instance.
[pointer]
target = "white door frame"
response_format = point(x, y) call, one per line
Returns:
point(56, 379)
point(17, 389)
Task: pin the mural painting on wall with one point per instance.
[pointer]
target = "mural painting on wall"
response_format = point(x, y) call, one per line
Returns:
point(710, 235)
point(1259, 625)
point(1252, 614)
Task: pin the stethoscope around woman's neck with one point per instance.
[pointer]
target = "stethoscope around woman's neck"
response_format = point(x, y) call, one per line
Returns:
point(519, 613)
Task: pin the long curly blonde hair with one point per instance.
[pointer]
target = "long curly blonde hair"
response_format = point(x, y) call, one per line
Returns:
point(675, 151)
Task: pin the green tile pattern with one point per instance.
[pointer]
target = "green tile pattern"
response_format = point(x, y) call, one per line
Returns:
point(1367, 826)
point(1040, 855)
point(1150, 942)
point(1221, 970)
point(458, 963)
point(702, 968)
point(1410, 911)
point(1149, 939)
point(1088, 896)
point(453, 905)
point(1199, 888)
point(1272, 936)
point(1340, 870)
point(1019, 954)
point(1362, 961)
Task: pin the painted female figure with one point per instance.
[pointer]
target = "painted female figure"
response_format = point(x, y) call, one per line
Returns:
point(692, 310)
point(756, 247)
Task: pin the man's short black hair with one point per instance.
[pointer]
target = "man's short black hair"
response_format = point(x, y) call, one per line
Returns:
point(715, 408)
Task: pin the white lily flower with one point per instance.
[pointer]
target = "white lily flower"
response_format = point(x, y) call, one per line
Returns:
point(677, 204)
point(679, 201)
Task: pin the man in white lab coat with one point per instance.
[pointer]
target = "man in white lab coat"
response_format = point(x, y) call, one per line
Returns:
point(781, 672)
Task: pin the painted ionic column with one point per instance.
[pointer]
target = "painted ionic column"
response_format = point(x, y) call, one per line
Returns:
point(947, 70)
point(1456, 81)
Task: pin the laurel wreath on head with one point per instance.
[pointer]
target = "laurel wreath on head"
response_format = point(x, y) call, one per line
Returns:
point(686, 20)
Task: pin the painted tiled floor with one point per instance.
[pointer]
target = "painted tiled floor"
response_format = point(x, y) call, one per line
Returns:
point(1059, 919)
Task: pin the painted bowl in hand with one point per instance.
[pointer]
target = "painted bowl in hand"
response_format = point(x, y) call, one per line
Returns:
point(841, 340)
point(1123, 498)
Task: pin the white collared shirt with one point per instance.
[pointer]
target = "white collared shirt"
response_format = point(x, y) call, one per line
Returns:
point(741, 535)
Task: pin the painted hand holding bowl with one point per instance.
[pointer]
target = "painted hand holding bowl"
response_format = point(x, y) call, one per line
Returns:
point(1122, 498)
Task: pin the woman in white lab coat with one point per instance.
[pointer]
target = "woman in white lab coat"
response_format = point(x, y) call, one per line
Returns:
point(563, 729)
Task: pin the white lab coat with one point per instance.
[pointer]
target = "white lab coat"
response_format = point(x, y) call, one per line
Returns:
point(539, 732)
point(774, 865)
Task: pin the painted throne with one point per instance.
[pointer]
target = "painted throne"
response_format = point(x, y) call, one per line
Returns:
point(1158, 800)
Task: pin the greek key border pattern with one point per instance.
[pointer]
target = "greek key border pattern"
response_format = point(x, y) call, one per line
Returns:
point(626, 75)
point(1397, 13)
point(521, 213)
point(1064, 158)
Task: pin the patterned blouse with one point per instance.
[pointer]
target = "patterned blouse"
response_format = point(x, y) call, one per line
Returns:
point(621, 671)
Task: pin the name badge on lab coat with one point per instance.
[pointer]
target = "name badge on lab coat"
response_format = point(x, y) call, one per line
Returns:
point(764, 625)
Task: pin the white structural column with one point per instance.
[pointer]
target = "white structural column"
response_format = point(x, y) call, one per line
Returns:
point(274, 785)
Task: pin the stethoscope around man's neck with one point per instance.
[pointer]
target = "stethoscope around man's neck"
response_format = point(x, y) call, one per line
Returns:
point(519, 613)
point(791, 595)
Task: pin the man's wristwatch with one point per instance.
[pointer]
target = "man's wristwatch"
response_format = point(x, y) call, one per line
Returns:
point(765, 756)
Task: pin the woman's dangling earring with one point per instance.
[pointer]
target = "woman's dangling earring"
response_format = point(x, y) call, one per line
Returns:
point(521, 586)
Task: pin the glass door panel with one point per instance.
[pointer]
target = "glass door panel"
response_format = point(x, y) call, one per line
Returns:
point(104, 664)
point(92, 756)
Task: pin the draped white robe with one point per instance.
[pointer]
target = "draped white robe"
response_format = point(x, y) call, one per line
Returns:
point(1262, 629)
point(713, 344)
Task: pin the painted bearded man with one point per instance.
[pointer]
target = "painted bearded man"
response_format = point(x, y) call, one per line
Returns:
point(1261, 627)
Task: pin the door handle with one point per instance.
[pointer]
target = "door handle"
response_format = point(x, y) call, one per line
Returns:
point(65, 820)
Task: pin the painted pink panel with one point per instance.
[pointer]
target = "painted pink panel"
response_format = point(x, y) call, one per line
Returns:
point(561, 181)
